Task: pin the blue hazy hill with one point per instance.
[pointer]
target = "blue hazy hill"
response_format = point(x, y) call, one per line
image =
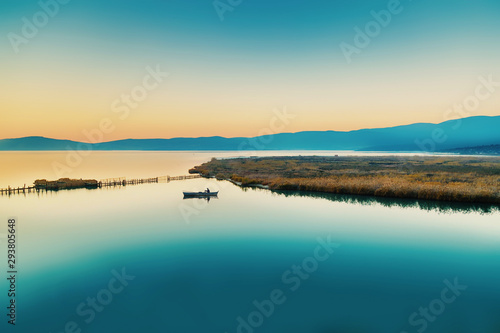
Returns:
point(465, 132)
point(36, 143)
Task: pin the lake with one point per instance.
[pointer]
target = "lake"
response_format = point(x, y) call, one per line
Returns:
point(140, 258)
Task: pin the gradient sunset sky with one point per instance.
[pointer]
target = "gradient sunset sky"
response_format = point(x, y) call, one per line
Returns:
point(226, 77)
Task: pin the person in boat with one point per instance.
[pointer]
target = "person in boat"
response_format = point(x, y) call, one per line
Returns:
point(208, 190)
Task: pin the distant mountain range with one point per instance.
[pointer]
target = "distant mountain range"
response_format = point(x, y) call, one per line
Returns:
point(481, 150)
point(466, 132)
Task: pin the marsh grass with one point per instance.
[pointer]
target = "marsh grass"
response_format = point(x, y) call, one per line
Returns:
point(65, 183)
point(453, 178)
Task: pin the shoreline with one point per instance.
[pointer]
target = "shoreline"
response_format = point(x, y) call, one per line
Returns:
point(456, 179)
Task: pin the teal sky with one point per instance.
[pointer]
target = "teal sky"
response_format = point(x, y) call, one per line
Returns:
point(227, 76)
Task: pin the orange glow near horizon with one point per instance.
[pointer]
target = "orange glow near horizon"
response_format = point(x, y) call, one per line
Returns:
point(54, 105)
point(59, 92)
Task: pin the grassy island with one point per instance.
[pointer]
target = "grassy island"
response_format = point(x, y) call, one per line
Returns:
point(450, 178)
point(65, 183)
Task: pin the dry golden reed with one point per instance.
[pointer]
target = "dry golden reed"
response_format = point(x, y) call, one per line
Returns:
point(450, 178)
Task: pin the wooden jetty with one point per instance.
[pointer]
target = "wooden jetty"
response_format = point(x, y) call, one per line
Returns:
point(13, 190)
point(66, 183)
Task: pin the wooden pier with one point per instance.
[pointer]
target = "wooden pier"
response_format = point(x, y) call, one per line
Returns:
point(110, 182)
point(13, 190)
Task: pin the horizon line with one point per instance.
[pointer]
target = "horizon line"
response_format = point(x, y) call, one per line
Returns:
point(249, 137)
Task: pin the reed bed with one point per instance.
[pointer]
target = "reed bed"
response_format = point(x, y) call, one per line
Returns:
point(65, 183)
point(451, 178)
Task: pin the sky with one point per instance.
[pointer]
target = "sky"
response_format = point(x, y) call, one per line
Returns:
point(177, 68)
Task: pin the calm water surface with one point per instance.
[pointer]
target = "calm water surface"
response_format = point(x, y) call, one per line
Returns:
point(198, 266)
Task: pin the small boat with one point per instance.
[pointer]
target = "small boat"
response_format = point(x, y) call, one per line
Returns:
point(200, 194)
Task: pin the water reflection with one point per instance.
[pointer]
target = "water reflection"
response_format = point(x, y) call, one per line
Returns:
point(200, 276)
point(207, 199)
point(438, 206)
